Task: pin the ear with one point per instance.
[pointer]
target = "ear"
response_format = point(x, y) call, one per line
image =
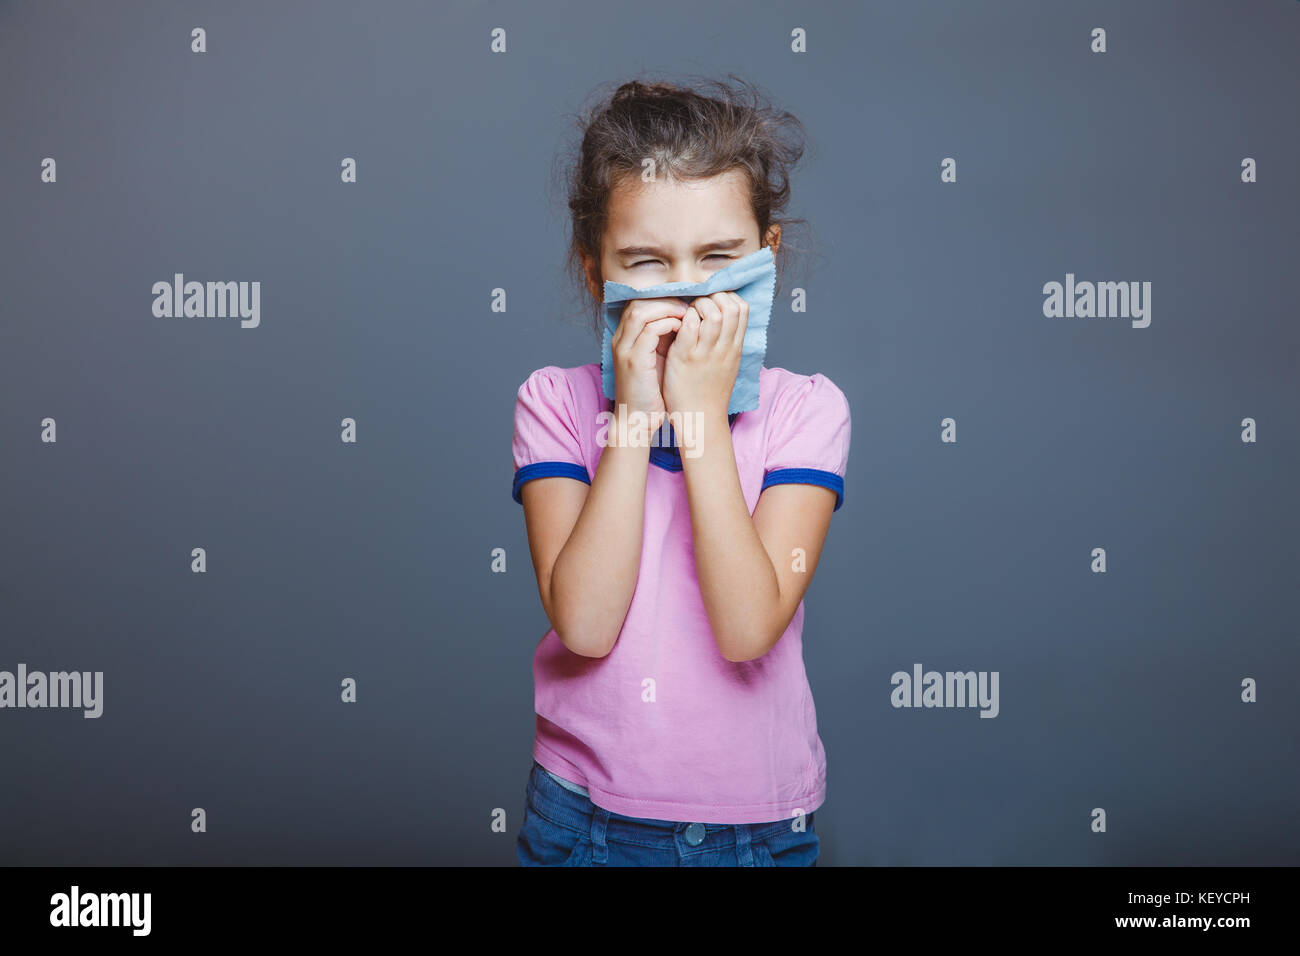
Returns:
point(774, 236)
point(593, 277)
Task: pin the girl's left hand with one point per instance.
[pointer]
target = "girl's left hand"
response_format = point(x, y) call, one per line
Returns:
point(704, 359)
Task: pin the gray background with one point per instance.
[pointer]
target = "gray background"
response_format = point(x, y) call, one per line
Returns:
point(372, 560)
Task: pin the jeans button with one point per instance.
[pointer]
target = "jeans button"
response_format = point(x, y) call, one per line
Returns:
point(695, 834)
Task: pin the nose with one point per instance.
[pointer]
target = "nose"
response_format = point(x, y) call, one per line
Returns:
point(685, 269)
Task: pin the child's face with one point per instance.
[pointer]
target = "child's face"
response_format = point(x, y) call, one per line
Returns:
point(668, 231)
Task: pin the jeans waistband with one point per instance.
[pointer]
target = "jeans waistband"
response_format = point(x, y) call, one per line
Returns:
point(568, 809)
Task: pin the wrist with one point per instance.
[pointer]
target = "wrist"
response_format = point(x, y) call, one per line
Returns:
point(706, 432)
point(629, 427)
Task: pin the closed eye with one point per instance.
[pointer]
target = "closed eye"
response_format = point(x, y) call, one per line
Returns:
point(646, 262)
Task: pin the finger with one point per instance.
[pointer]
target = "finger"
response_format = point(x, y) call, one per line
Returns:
point(638, 312)
point(727, 303)
point(710, 322)
point(689, 334)
point(742, 324)
point(647, 341)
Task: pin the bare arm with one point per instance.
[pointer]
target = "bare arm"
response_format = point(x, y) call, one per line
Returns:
point(748, 577)
point(586, 547)
point(586, 542)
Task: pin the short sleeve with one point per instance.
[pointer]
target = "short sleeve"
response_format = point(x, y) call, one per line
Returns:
point(546, 441)
point(808, 436)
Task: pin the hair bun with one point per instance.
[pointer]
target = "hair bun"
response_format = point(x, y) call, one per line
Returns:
point(635, 89)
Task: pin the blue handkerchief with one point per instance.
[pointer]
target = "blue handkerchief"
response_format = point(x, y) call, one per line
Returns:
point(753, 278)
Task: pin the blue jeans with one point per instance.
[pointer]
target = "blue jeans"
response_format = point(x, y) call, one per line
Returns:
point(563, 828)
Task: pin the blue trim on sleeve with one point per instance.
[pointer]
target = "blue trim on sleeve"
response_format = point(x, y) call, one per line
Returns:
point(807, 476)
point(547, 469)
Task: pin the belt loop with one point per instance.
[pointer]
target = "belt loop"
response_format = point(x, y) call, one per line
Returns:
point(599, 821)
point(744, 856)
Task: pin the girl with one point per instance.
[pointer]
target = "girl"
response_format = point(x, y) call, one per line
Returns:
point(675, 726)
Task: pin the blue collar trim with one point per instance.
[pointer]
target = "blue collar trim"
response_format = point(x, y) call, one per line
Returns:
point(665, 454)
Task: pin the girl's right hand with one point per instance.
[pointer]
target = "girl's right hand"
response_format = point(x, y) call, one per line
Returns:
point(639, 352)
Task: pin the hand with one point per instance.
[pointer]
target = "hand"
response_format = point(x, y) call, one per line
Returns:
point(639, 346)
point(704, 360)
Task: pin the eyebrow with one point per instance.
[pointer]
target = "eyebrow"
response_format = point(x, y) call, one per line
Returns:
point(656, 251)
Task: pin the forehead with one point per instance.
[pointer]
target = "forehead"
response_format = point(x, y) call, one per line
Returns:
point(668, 209)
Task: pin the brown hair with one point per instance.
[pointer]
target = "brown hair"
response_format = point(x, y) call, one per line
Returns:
point(689, 135)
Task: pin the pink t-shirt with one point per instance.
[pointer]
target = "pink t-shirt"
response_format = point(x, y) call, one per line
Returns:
point(709, 741)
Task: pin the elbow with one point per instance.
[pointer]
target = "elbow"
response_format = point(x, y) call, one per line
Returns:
point(749, 643)
point(591, 649)
point(582, 637)
point(739, 656)
point(739, 650)
point(747, 637)
point(582, 640)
